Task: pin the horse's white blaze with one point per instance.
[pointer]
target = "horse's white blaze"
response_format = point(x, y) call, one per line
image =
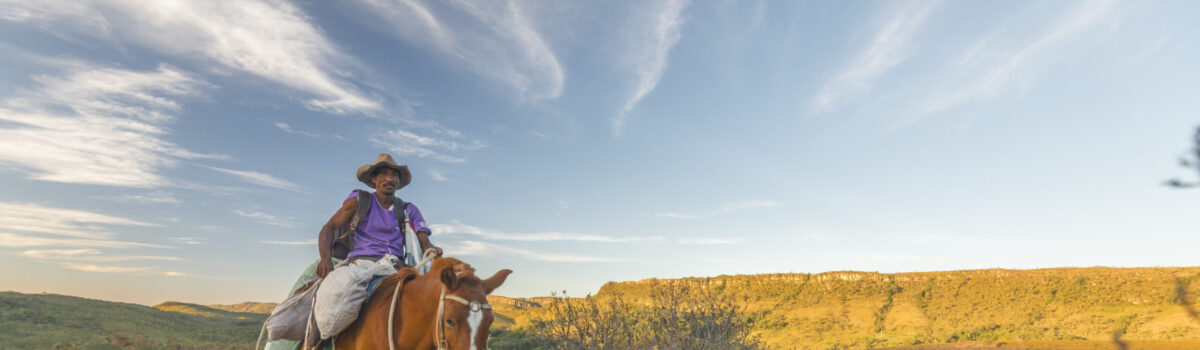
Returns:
point(473, 321)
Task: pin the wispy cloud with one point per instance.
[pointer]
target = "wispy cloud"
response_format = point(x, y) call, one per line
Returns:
point(312, 242)
point(437, 175)
point(265, 218)
point(497, 40)
point(96, 125)
point(33, 218)
point(953, 239)
point(288, 129)
point(1002, 62)
point(456, 227)
point(724, 208)
point(708, 241)
point(674, 215)
point(23, 241)
point(92, 255)
point(261, 179)
point(405, 143)
point(747, 205)
point(888, 48)
point(476, 248)
point(648, 54)
point(103, 269)
point(272, 39)
point(190, 240)
point(156, 197)
point(138, 271)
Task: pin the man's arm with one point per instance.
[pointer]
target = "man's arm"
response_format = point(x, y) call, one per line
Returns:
point(423, 238)
point(325, 238)
point(422, 231)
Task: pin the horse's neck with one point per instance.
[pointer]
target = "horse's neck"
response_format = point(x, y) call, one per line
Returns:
point(371, 330)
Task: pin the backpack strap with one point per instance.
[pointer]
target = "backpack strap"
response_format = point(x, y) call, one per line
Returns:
point(360, 214)
point(401, 214)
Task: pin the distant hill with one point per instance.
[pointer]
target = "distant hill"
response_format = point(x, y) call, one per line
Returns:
point(849, 309)
point(253, 307)
point(32, 321)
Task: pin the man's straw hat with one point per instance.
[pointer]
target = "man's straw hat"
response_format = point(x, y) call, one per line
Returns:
point(366, 171)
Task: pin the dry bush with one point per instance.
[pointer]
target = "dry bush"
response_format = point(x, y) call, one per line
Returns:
point(676, 316)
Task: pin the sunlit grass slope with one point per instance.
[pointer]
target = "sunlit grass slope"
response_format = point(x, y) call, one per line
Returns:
point(31, 321)
point(858, 310)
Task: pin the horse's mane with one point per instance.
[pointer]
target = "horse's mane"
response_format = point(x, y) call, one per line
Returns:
point(466, 273)
point(404, 274)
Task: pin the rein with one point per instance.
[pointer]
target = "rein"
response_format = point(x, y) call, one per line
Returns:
point(428, 258)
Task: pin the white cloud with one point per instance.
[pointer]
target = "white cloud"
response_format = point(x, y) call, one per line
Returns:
point(405, 143)
point(288, 128)
point(103, 269)
point(675, 215)
point(747, 205)
point(648, 54)
point(190, 240)
point(261, 179)
point(708, 241)
point(265, 218)
point(88, 255)
point(272, 39)
point(58, 253)
point(1001, 62)
point(156, 197)
point(312, 242)
point(437, 175)
point(35, 218)
point(23, 241)
point(889, 47)
point(456, 227)
point(497, 40)
point(727, 207)
point(96, 125)
point(174, 274)
point(475, 248)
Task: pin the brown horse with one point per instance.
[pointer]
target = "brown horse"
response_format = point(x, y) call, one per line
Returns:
point(451, 286)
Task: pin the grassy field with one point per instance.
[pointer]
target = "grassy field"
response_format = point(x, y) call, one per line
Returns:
point(1064, 308)
point(47, 321)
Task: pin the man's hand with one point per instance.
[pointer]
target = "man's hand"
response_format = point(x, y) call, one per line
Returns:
point(324, 267)
point(423, 239)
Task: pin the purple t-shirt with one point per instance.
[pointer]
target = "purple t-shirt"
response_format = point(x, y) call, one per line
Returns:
point(378, 234)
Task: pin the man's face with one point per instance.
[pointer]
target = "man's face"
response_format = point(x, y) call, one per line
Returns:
point(386, 180)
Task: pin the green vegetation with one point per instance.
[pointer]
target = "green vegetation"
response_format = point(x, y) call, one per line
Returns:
point(996, 307)
point(50, 321)
point(1066, 308)
point(675, 316)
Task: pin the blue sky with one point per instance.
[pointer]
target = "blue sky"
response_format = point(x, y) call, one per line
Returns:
point(191, 150)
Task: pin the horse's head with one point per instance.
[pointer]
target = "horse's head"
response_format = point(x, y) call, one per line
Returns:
point(467, 316)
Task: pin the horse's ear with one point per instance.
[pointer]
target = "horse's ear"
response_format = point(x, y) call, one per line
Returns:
point(495, 281)
point(450, 279)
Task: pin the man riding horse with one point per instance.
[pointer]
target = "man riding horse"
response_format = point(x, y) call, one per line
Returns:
point(380, 233)
point(368, 235)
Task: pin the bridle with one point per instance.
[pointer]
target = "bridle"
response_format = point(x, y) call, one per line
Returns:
point(473, 306)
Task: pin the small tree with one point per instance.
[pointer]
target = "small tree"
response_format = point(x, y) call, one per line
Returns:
point(1190, 161)
point(676, 316)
